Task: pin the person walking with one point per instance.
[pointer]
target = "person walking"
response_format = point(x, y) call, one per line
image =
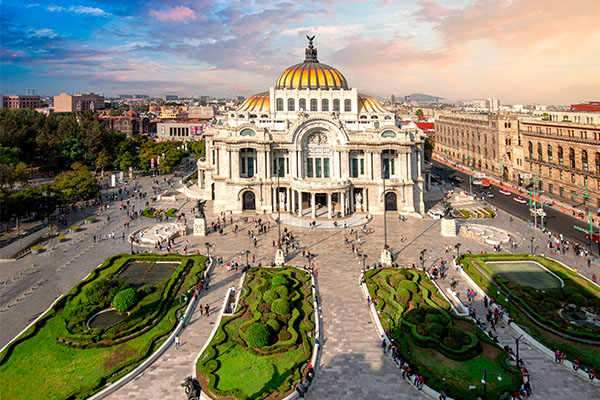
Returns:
point(177, 344)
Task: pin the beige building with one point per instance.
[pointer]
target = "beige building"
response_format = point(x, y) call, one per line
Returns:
point(78, 102)
point(19, 101)
point(483, 141)
point(316, 146)
point(567, 157)
point(184, 130)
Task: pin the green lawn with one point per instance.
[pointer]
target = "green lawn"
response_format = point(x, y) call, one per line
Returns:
point(449, 351)
point(233, 365)
point(537, 311)
point(37, 363)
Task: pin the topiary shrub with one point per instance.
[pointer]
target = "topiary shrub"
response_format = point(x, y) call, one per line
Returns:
point(409, 285)
point(432, 318)
point(436, 331)
point(124, 300)
point(274, 325)
point(279, 279)
point(415, 316)
point(282, 291)
point(257, 335)
point(403, 295)
point(270, 296)
point(281, 307)
point(554, 293)
point(579, 299)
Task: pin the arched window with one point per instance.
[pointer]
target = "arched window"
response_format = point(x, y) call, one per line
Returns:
point(347, 105)
point(584, 160)
point(539, 151)
point(598, 162)
point(530, 150)
point(550, 153)
point(572, 157)
point(291, 105)
point(324, 105)
point(302, 104)
point(561, 159)
point(279, 104)
point(313, 105)
point(336, 105)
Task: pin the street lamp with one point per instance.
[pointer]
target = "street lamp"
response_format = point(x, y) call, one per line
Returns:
point(390, 320)
point(247, 252)
point(386, 255)
point(422, 258)
point(517, 345)
point(484, 380)
point(532, 239)
point(279, 256)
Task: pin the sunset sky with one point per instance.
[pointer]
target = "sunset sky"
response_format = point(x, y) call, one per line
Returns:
point(520, 51)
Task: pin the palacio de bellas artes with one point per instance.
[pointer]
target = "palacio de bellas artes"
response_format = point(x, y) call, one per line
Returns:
point(318, 146)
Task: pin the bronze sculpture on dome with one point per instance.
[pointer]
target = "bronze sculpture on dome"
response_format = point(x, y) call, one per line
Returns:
point(310, 52)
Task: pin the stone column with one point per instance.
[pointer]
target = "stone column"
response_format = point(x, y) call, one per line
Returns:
point(329, 213)
point(313, 205)
point(344, 166)
point(293, 196)
point(409, 165)
point(288, 193)
point(369, 161)
point(268, 164)
point(343, 203)
point(401, 166)
point(377, 165)
point(235, 163)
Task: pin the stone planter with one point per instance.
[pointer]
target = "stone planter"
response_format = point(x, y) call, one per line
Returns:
point(74, 228)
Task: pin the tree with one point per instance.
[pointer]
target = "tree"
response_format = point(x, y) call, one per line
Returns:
point(103, 161)
point(75, 185)
point(114, 112)
point(429, 146)
point(419, 113)
point(198, 148)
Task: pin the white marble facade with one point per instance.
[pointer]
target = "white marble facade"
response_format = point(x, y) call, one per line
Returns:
point(322, 145)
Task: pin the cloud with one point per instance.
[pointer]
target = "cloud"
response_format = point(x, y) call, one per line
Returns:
point(42, 33)
point(79, 10)
point(172, 14)
point(323, 29)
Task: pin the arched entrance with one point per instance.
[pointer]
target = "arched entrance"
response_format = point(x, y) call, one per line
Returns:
point(248, 201)
point(391, 202)
point(505, 174)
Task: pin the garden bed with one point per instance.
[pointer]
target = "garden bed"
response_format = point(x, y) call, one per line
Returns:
point(448, 350)
point(61, 345)
point(541, 311)
point(261, 350)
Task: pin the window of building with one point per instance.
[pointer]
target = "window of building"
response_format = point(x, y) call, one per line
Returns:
point(550, 188)
point(562, 192)
point(336, 105)
point(584, 160)
point(573, 194)
point(326, 168)
point(530, 147)
point(598, 162)
point(309, 167)
point(291, 105)
point(388, 164)
point(561, 160)
point(572, 157)
point(560, 174)
point(313, 105)
point(302, 104)
point(318, 168)
point(247, 163)
point(324, 105)
point(347, 105)
point(279, 103)
point(550, 153)
point(572, 178)
point(539, 151)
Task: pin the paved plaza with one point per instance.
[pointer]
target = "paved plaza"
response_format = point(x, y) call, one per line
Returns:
point(351, 364)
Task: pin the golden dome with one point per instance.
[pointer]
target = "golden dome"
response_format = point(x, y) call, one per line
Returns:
point(369, 104)
point(257, 103)
point(311, 74)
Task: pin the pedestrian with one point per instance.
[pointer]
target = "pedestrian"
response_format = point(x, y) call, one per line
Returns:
point(383, 344)
point(184, 321)
point(442, 395)
point(176, 342)
point(207, 309)
point(318, 344)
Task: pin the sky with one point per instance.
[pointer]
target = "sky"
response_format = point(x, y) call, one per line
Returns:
point(519, 51)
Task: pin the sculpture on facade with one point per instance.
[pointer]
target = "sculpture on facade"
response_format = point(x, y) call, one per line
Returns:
point(192, 388)
point(358, 199)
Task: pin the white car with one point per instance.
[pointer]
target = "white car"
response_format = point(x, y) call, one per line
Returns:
point(520, 200)
point(505, 192)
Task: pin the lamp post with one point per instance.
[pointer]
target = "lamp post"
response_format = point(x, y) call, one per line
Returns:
point(532, 239)
point(390, 320)
point(310, 257)
point(517, 345)
point(131, 245)
point(279, 256)
point(422, 258)
point(484, 380)
point(457, 247)
point(386, 255)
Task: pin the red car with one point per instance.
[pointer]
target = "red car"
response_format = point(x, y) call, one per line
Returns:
point(595, 237)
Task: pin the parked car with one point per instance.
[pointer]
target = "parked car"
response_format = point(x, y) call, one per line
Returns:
point(505, 192)
point(595, 237)
point(519, 199)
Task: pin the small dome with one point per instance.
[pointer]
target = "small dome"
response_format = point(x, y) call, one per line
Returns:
point(311, 74)
point(259, 102)
point(369, 104)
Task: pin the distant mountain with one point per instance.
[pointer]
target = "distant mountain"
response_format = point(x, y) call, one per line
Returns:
point(423, 97)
